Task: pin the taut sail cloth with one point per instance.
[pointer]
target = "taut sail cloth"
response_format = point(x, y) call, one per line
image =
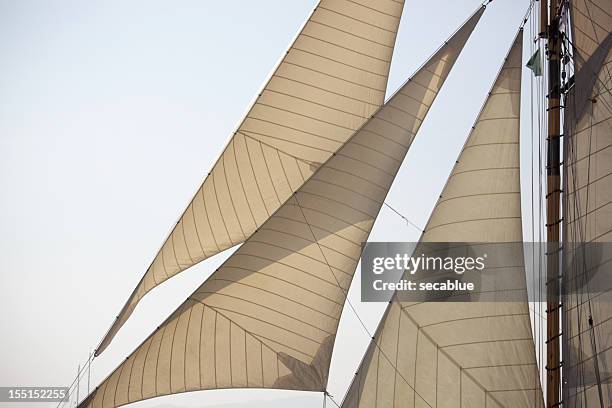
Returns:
point(332, 79)
point(587, 316)
point(267, 318)
point(463, 354)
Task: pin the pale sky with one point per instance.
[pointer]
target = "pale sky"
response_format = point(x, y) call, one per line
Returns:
point(112, 112)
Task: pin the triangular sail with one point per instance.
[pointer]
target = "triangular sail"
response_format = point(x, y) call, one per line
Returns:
point(587, 316)
point(460, 354)
point(331, 80)
point(267, 318)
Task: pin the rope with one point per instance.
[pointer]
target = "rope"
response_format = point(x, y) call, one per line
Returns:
point(331, 398)
point(408, 222)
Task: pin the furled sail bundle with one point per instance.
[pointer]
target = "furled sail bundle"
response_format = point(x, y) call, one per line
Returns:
point(267, 318)
point(331, 80)
point(587, 219)
point(463, 354)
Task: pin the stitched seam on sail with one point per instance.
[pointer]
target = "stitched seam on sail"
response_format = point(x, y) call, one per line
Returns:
point(335, 77)
point(312, 20)
point(356, 19)
point(345, 48)
point(268, 307)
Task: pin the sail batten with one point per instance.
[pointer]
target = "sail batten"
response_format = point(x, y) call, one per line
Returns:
point(330, 81)
point(267, 318)
point(453, 354)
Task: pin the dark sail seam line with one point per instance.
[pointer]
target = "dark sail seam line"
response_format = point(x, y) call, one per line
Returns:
point(258, 272)
point(441, 350)
point(325, 90)
point(307, 116)
point(219, 207)
point(244, 192)
point(290, 128)
point(404, 112)
point(229, 193)
point(206, 212)
point(257, 337)
point(314, 103)
point(372, 183)
point(350, 190)
point(333, 76)
point(485, 169)
point(336, 201)
point(475, 318)
point(219, 309)
point(345, 48)
point(320, 227)
point(348, 224)
point(291, 251)
point(415, 99)
point(356, 19)
point(373, 9)
point(268, 307)
point(312, 20)
point(471, 220)
point(378, 151)
point(287, 265)
point(340, 154)
point(386, 137)
point(244, 133)
point(313, 242)
point(477, 195)
point(255, 176)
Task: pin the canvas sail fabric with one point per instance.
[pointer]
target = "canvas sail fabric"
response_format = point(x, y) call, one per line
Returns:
point(463, 354)
point(587, 314)
point(591, 21)
point(332, 79)
point(267, 318)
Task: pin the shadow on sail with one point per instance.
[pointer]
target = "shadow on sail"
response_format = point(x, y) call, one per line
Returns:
point(267, 318)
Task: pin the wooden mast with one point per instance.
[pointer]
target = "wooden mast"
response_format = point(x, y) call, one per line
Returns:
point(553, 200)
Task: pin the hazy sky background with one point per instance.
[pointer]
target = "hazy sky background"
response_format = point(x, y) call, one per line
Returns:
point(112, 112)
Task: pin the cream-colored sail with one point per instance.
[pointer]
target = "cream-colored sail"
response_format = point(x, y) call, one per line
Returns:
point(587, 323)
point(591, 24)
point(267, 318)
point(331, 80)
point(463, 354)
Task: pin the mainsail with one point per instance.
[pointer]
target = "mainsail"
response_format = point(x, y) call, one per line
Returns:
point(267, 318)
point(587, 316)
point(331, 80)
point(463, 354)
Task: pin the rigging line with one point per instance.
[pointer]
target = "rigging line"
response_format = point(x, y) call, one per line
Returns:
point(331, 398)
point(589, 303)
point(594, 74)
point(80, 372)
point(590, 17)
point(408, 222)
point(580, 232)
point(352, 307)
point(577, 232)
point(533, 263)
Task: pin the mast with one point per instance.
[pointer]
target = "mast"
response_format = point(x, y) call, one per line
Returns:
point(553, 200)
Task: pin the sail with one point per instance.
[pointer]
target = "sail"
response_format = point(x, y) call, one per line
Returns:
point(267, 318)
point(463, 354)
point(587, 316)
point(332, 78)
point(591, 24)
